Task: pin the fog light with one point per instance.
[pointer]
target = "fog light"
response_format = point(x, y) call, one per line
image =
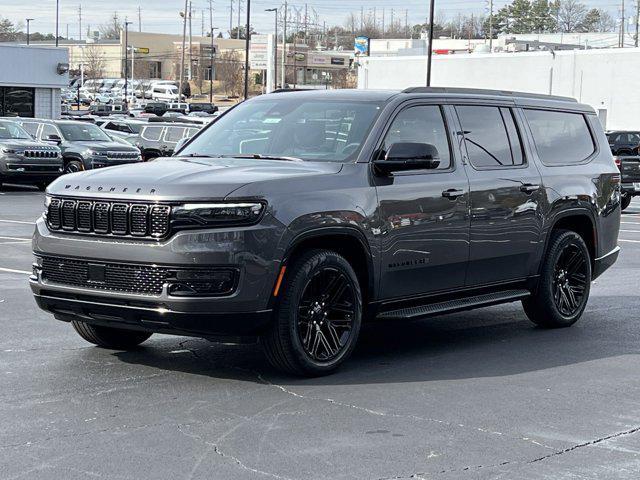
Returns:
point(202, 283)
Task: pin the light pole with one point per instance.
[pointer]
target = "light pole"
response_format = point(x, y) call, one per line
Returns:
point(275, 48)
point(126, 62)
point(430, 51)
point(57, 19)
point(184, 46)
point(246, 51)
point(28, 20)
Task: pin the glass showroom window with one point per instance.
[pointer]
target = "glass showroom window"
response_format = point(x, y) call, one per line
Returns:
point(17, 102)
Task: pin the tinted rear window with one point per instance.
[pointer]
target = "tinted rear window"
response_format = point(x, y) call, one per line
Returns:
point(561, 138)
point(152, 133)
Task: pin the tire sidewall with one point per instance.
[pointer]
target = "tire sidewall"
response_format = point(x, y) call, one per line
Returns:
point(303, 272)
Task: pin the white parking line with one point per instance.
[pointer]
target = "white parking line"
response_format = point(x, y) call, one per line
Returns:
point(631, 231)
point(16, 238)
point(11, 270)
point(16, 221)
point(629, 241)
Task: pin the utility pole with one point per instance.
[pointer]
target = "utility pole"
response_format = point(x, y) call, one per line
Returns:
point(190, 42)
point(406, 22)
point(67, 34)
point(80, 22)
point(361, 19)
point(126, 61)
point(184, 46)
point(275, 49)
point(28, 20)
point(139, 18)
point(392, 26)
point(57, 19)
point(306, 22)
point(430, 51)
point(231, 19)
point(622, 26)
point(246, 51)
point(383, 25)
point(211, 52)
point(284, 46)
point(490, 26)
point(239, 18)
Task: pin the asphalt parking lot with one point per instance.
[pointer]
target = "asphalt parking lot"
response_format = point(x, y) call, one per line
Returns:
point(475, 395)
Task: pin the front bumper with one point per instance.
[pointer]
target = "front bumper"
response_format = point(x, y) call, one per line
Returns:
point(630, 189)
point(19, 170)
point(244, 312)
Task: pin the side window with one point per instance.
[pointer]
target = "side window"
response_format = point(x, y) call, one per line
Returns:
point(174, 134)
point(31, 128)
point(48, 129)
point(152, 133)
point(491, 136)
point(421, 124)
point(561, 138)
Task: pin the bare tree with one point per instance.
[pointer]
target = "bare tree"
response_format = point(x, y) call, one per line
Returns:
point(94, 62)
point(229, 73)
point(111, 30)
point(571, 15)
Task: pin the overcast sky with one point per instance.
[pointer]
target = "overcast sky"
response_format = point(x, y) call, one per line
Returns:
point(162, 15)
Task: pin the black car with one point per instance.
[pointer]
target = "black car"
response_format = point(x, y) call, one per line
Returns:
point(629, 166)
point(157, 108)
point(296, 217)
point(25, 160)
point(209, 108)
point(160, 139)
point(624, 143)
point(84, 145)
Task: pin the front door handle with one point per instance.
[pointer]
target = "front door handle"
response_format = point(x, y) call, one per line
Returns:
point(529, 188)
point(453, 193)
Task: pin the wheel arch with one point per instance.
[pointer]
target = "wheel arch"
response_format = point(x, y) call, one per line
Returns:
point(581, 221)
point(72, 156)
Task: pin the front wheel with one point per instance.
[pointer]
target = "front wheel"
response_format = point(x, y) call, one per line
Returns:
point(108, 337)
point(625, 201)
point(73, 166)
point(318, 319)
point(565, 283)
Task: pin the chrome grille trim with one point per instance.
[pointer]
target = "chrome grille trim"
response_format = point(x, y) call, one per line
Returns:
point(31, 153)
point(111, 218)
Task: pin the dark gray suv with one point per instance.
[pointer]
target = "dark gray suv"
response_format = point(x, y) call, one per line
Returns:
point(297, 216)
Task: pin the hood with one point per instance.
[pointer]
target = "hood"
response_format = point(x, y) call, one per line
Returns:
point(183, 179)
point(104, 146)
point(26, 143)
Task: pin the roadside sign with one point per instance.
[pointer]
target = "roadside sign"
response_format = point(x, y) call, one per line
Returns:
point(259, 52)
point(144, 50)
point(362, 44)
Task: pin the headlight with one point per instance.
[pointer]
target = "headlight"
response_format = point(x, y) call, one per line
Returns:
point(47, 202)
point(216, 214)
point(95, 153)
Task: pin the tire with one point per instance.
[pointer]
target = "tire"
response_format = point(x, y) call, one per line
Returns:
point(73, 166)
point(317, 342)
point(625, 201)
point(565, 282)
point(112, 338)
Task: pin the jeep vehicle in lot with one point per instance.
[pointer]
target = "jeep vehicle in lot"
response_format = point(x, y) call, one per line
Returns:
point(297, 216)
point(629, 167)
point(25, 160)
point(160, 139)
point(624, 143)
point(84, 145)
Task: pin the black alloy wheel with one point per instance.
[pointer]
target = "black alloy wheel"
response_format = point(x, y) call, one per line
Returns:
point(570, 280)
point(73, 166)
point(325, 314)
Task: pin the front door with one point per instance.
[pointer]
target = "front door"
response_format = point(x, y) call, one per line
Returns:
point(423, 218)
point(506, 196)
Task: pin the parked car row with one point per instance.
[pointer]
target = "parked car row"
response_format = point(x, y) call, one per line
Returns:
point(625, 146)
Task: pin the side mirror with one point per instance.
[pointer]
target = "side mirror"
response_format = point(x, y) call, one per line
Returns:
point(408, 156)
point(53, 138)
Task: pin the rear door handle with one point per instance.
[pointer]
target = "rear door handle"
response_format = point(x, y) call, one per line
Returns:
point(529, 188)
point(453, 193)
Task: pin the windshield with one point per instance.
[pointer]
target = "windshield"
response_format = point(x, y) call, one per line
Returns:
point(10, 130)
point(80, 132)
point(313, 130)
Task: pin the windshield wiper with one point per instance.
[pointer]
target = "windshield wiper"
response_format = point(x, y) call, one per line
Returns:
point(257, 156)
point(199, 155)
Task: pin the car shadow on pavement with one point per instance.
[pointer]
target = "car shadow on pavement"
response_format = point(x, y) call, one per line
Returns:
point(491, 342)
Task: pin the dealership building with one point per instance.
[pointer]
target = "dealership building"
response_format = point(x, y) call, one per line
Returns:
point(31, 80)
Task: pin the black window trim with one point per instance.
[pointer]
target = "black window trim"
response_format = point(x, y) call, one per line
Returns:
point(500, 107)
point(587, 160)
point(441, 104)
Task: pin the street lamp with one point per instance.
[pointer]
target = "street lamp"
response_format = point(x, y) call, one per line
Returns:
point(430, 51)
point(126, 62)
point(275, 48)
point(28, 20)
point(57, 19)
point(246, 51)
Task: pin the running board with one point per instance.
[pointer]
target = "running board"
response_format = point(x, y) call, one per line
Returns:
point(455, 305)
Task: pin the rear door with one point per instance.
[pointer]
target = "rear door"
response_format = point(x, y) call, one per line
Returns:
point(505, 198)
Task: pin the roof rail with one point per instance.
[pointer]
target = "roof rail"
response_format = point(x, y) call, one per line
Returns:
point(483, 91)
point(283, 90)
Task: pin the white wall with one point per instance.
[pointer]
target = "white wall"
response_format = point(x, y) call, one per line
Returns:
point(47, 103)
point(32, 66)
point(605, 79)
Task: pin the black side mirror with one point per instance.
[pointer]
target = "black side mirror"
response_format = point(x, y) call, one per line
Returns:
point(408, 156)
point(54, 139)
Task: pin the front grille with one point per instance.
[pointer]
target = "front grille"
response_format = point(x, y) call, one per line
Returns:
point(40, 154)
point(109, 218)
point(114, 155)
point(138, 279)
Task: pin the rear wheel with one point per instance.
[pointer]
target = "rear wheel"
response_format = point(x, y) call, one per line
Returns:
point(112, 338)
point(565, 282)
point(318, 320)
point(625, 201)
